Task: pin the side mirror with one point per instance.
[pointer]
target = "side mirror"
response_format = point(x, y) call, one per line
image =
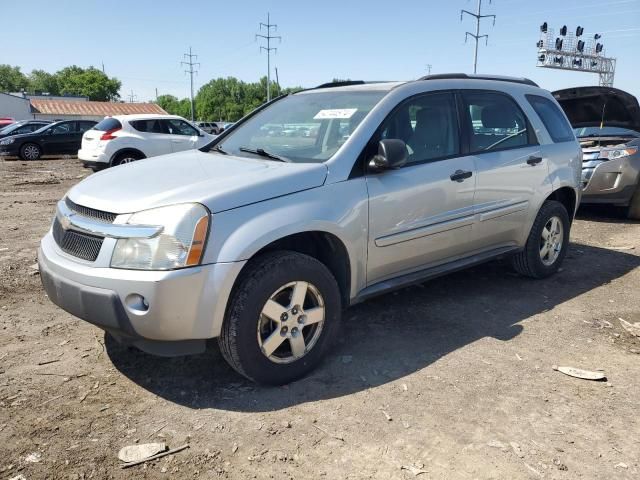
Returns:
point(392, 154)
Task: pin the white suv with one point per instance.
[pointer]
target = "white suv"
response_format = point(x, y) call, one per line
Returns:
point(126, 138)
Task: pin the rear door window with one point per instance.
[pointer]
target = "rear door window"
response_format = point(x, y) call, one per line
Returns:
point(84, 126)
point(495, 122)
point(152, 125)
point(552, 118)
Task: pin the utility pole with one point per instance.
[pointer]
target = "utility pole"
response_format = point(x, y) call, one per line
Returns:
point(478, 16)
point(156, 94)
point(192, 66)
point(132, 96)
point(268, 37)
point(277, 81)
point(428, 69)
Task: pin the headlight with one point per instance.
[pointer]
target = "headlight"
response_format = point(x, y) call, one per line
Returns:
point(613, 153)
point(7, 141)
point(181, 243)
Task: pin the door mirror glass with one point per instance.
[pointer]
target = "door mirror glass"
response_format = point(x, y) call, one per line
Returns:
point(392, 153)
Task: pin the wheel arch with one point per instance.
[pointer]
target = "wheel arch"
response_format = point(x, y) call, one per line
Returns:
point(566, 196)
point(126, 150)
point(322, 245)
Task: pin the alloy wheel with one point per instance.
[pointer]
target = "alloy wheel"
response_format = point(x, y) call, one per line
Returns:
point(551, 241)
point(31, 152)
point(291, 322)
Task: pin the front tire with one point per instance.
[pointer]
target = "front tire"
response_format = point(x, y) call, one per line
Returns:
point(30, 151)
point(281, 319)
point(547, 244)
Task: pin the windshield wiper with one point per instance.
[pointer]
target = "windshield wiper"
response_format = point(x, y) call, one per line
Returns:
point(218, 148)
point(263, 153)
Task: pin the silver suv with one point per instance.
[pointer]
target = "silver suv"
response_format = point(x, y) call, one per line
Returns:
point(262, 238)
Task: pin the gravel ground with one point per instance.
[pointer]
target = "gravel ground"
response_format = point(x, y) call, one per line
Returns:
point(451, 379)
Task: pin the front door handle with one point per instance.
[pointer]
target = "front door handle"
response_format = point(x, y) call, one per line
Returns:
point(460, 175)
point(534, 160)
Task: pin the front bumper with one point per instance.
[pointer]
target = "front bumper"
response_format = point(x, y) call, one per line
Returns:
point(610, 182)
point(183, 307)
point(11, 150)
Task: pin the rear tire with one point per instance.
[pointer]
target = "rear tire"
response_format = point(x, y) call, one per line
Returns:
point(126, 157)
point(633, 211)
point(547, 244)
point(281, 319)
point(30, 151)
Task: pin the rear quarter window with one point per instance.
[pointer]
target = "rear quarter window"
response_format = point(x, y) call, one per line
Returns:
point(108, 124)
point(552, 118)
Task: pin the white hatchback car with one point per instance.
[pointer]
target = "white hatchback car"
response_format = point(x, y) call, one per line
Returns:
point(126, 138)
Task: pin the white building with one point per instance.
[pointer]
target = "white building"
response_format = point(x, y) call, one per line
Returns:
point(15, 107)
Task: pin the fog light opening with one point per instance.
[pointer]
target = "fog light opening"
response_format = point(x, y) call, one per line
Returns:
point(136, 304)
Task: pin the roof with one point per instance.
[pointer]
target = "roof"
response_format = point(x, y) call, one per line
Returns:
point(355, 87)
point(145, 116)
point(71, 107)
point(464, 76)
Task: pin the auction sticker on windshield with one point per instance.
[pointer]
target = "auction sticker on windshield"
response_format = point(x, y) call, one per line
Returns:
point(335, 113)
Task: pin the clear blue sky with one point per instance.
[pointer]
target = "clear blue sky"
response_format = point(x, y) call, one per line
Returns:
point(142, 41)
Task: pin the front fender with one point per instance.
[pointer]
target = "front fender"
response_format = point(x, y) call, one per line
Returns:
point(340, 209)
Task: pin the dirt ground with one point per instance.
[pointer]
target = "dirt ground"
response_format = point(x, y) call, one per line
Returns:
point(451, 379)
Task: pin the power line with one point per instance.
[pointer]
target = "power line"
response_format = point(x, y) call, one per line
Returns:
point(478, 16)
point(191, 70)
point(268, 26)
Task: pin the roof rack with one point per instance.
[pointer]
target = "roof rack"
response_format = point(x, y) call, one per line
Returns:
point(464, 76)
point(342, 83)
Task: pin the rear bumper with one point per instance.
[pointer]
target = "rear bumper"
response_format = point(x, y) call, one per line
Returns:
point(183, 307)
point(93, 157)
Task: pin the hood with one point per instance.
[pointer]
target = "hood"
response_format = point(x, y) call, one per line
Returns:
point(584, 107)
point(17, 136)
point(220, 182)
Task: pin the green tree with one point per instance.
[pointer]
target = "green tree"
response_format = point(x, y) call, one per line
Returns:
point(12, 79)
point(230, 99)
point(41, 81)
point(90, 82)
point(174, 106)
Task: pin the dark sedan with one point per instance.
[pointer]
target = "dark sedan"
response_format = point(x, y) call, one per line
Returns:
point(58, 138)
point(25, 126)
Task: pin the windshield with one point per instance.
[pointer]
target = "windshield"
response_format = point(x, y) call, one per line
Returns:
point(604, 132)
point(308, 127)
point(9, 128)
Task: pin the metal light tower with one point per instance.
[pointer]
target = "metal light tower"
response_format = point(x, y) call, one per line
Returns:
point(478, 16)
point(268, 26)
point(571, 51)
point(192, 69)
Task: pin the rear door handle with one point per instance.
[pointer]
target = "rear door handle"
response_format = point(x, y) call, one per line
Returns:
point(460, 175)
point(534, 160)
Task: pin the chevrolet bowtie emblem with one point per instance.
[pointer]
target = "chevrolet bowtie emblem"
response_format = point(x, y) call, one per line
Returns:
point(65, 221)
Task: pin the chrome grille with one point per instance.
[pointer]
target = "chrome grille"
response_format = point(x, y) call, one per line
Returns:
point(98, 215)
point(81, 245)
